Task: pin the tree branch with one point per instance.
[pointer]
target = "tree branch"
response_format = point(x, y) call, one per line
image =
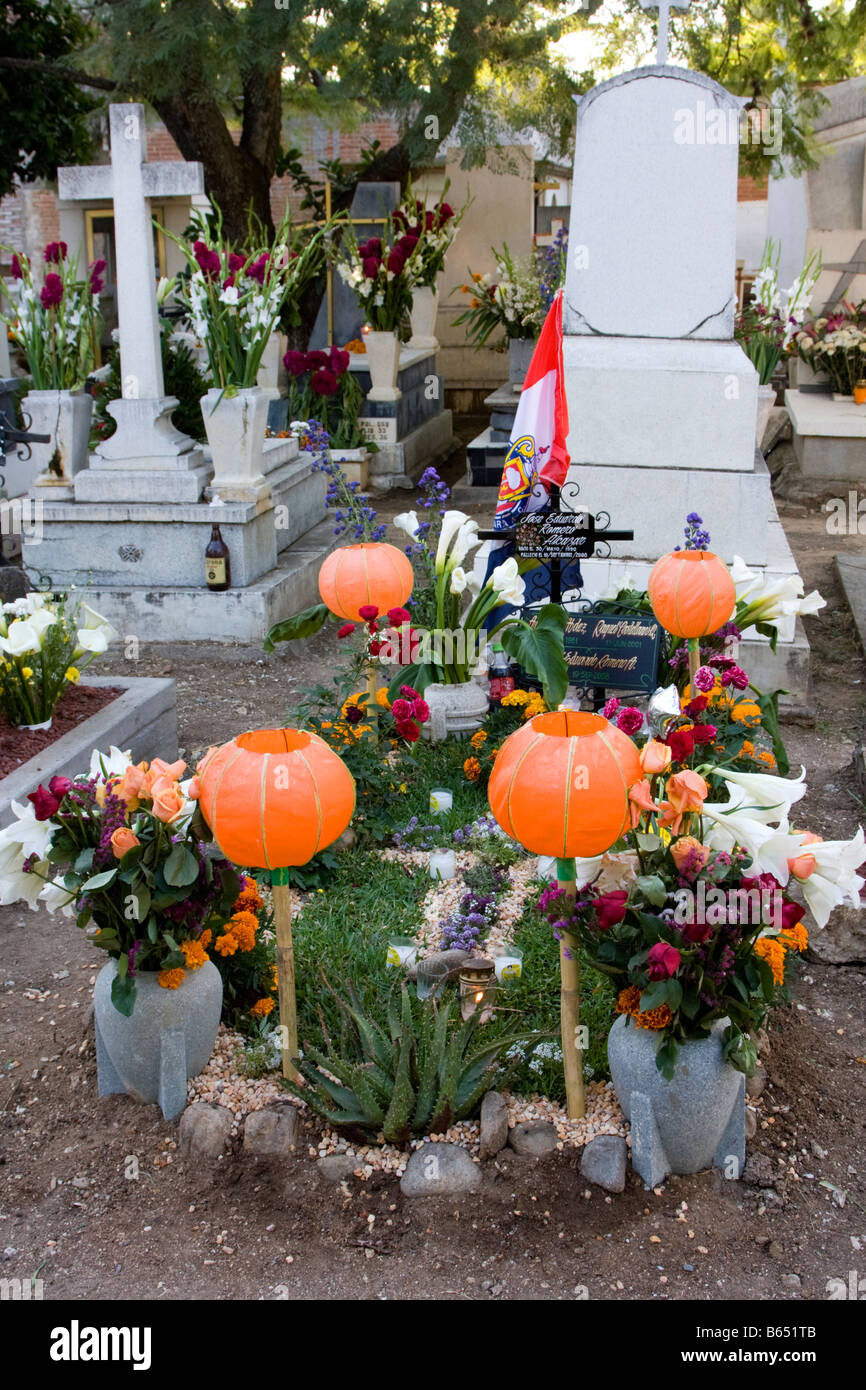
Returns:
point(60, 70)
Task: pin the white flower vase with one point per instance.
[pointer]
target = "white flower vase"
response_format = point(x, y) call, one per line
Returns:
point(235, 426)
point(383, 361)
point(455, 710)
point(65, 416)
point(520, 352)
point(425, 305)
point(766, 401)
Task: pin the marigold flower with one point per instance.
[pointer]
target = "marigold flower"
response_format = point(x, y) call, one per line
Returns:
point(194, 954)
point(226, 945)
point(262, 1007)
point(478, 739)
point(654, 1018)
point(770, 949)
point(206, 938)
point(243, 927)
point(249, 898)
point(472, 769)
point(795, 938)
point(382, 699)
point(765, 756)
point(515, 698)
point(628, 1001)
point(171, 979)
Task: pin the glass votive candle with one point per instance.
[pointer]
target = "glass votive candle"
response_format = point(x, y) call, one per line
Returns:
point(441, 801)
point(430, 976)
point(443, 864)
point(508, 963)
point(402, 951)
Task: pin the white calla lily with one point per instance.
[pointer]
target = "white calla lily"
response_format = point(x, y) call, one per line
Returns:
point(452, 522)
point(504, 576)
point(466, 539)
point(21, 639)
point(514, 594)
point(459, 580)
point(835, 863)
point(42, 619)
point(408, 522)
point(94, 640)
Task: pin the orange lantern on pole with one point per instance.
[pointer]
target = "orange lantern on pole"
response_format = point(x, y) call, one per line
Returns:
point(692, 594)
point(273, 798)
point(370, 573)
point(560, 786)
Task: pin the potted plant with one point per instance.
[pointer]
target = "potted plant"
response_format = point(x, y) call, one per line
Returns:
point(513, 303)
point(119, 848)
point(322, 387)
point(46, 640)
point(435, 229)
point(234, 300)
point(765, 327)
point(55, 327)
point(381, 274)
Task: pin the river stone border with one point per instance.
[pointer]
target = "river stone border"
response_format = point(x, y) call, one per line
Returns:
point(143, 719)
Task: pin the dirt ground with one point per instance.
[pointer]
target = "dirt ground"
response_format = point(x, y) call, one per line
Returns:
point(79, 1213)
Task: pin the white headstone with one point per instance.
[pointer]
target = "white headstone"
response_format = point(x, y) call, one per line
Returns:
point(145, 438)
point(652, 241)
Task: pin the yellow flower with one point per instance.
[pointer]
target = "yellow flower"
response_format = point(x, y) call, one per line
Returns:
point(27, 672)
point(765, 756)
point(403, 788)
point(226, 945)
point(172, 979)
point(243, 927)
point(477, 739)
point(72, 673)
point(382, 698)
point(516, 698)
point(794, 938)
point(770, 949)
point(194, 954)
point(262, 1008)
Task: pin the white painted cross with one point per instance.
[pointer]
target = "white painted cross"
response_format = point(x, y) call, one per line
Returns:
point(664, 8)
point(145, 434)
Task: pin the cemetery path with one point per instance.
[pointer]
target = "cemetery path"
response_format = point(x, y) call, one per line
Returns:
point(72, 1209)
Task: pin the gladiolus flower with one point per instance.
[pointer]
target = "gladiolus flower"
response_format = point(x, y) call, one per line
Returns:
point(122, 841)
point(663, 961)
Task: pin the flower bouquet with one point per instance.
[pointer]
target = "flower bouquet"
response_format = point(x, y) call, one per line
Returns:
point(321, 387)
point(120, 847)
point(837, 345)
point(766, 326)
point(46, 640)
point(434, 229)
point(705, 931)
point(513, 302)
point(55, 327)
point(382, 275)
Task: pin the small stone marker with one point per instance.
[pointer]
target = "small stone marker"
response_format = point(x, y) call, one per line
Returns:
point(271, 1133)
point(204, 1130)
point(603, 1162)
point(533, 1139)
point(494, 1124)
point(440, 1170)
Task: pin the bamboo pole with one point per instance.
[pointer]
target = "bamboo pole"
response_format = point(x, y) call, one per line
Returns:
point(372, 706)
point(285, 971)
point(694, 663)
point(569, 1003)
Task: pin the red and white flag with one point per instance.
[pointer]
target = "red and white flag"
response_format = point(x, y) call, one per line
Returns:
point(537, 446)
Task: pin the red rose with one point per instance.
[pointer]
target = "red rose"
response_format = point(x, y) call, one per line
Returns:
point(696, 706)
point(59, 786)
point(696, 932)
point(401, 710)
point(346, 630)
point(375, 648)
point(609, 908)
point(681, 744)
point(44, 804)
point(420, 711)
point(703, 733)
point(663, 961)
point(398, 616)
point(407, 730)
point(368, 612)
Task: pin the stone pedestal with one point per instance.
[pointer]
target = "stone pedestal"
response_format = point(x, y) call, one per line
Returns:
point(829, 436)
point(411, 432)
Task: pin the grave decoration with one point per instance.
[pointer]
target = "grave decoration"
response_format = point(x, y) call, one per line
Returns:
point(560, 787)
point(382, 274)
point(117, 847)
point(273, 798)
point(321, 387)
point(46, 640)
point(692, 595)
point(435, 229)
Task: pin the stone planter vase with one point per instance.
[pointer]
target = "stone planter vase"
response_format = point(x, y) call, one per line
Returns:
point(168, 1038)
point(766, 401)
point(235, 426)
point(455, 710)
point(695, 1121)
point(520, 352)
point(354, 464)
point(425, 305)
point(65, 416)
point(383, 361)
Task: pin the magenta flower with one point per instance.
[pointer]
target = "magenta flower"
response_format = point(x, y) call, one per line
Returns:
point(610, 708)
point(629, 719)
point(704, 678)
point(370, 266)
point(17, 272)
point(324, 383)
point(55, 252)
point(295, 362)
point(663, 961)
point(51, 292)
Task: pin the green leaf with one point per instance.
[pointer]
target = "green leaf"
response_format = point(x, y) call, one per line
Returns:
point(666, 1058)
point(303, 624)
point(653, 889)
point(99, 881)
point(769, 707)
point(540, 650)
point(419, 675)
point(181, 867)
point(84, 861)
point(123, 994)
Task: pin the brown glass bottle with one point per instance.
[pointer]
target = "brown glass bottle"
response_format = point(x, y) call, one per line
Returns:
point(217, 561)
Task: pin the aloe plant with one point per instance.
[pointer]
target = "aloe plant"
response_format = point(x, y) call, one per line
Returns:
point(417, 1076)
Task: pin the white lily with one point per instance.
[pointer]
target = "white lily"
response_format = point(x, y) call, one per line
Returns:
point(771, 601)
point(834, 881)
point(25, 836)
point(110, 764)
point(459, 580)
point(21, 639)
point(16, 886)
point(408, 522)
point(760, 792)
point(56, 898)
point(466, 539)
point(514, 594)
point(504, 576)
point(94, 640)
point(453, 522)
point(731, 826)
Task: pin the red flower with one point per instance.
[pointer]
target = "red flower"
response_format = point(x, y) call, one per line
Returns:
point(228, 282)
point(681, 744)
point(406, 245)
point(256, 271)
point(446, 212)
point(399, 219)
point(59, 786)
point(696, 932)
point(339, 361)
point(429, 221)
point(703, 733)
point(318, 359)
point(346, 630)
point(324, 383)
point(408, 693)
point(354, 715)
point(17, 272)
point(696, 706)
point(368, 612)
point(629, 719)
point(792, 913)
point(51, 292)
point(236, 262)
point(609, 908)
point(373, 247)
point(401, 710)
point(407, 730)
point(396, 261)
point(44, 804)
point(375, 648)
point(398, 616)
point(370, 266)
point(663, 961)
point(295, 362)
point(420, 711)
point(55, 252)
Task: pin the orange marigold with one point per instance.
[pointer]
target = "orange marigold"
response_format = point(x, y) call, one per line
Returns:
point(765, 756)
point(628, 1001)
point(770, 949)
point(172, 979)
point(243, 927)
point(794, 938)
point(194, 954)
point(262, 1008)
point(478, 738)
point(249, 898)
point(472, 768)
point(226, 945)
point(654, 1018)
point(206, 938)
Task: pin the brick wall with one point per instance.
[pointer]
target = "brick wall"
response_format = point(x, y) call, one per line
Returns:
point(751, 190)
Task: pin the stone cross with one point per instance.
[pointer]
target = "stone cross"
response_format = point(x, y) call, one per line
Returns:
point(664, 8)
point(145, 436)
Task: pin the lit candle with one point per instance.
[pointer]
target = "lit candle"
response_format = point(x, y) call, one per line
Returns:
point(441, 801)
point(443, 863)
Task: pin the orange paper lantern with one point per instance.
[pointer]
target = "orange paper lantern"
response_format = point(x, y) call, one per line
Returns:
point(275, 797)
point(372, 572)
point(560, 784)
point(691, 592)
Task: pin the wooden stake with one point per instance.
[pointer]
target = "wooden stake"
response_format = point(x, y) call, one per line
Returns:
point(285, 971)
point(694, 663)
point(372, 706)
point(569, 1003)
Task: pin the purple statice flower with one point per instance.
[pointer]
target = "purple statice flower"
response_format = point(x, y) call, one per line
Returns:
point(696, 537)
